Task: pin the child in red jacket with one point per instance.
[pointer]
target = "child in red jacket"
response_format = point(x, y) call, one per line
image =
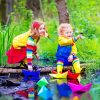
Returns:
point(24, 45)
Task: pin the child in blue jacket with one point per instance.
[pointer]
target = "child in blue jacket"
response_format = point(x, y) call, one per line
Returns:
point(67, 51)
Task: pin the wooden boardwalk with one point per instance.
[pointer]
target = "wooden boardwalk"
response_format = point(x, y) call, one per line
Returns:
point(43, 69)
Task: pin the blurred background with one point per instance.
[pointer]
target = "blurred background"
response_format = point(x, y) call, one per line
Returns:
point(84, 16)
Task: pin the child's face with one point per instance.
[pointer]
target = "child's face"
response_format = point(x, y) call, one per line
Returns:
point(68, 32)
point(42, 30)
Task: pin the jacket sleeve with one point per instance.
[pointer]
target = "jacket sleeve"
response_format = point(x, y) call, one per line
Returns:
point(74, 49)
point(30, 49)
point(20, 41)
point(65, 41)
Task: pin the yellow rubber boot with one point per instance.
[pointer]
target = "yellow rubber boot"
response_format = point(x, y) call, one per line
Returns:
point(59, 67)
point(76, 65)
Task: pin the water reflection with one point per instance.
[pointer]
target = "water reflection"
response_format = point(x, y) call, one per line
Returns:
point(62, 91)
point(83, 96)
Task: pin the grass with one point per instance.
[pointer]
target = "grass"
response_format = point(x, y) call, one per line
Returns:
point(81, 20)
point(93, 77)
point(6, 35)
point(88, 49)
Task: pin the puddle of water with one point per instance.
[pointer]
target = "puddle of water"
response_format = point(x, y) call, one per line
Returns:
point(93, 94)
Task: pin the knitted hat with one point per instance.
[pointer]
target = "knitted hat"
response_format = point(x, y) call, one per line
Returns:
point(36, 24)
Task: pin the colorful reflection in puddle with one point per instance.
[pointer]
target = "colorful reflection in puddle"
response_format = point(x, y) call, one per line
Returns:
point(58, 88)
point(62, 91)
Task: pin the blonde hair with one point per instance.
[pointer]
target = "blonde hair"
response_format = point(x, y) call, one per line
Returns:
point(35, 27)
point(61, 28)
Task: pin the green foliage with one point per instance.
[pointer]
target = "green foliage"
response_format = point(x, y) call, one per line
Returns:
point(49, 9)
point(48, 46)
point(84, 17)
point(21, 15)
point(5, 38)
point(88, 49)
point(7, 34)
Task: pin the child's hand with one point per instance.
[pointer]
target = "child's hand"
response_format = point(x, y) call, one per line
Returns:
point(70, 58)
point(30, 68)
point(80, 36)
point(37, 56)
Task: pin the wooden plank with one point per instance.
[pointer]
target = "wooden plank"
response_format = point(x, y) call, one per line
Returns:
point(43, 69)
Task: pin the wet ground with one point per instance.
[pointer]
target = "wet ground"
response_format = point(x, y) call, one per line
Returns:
point(10, 84)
